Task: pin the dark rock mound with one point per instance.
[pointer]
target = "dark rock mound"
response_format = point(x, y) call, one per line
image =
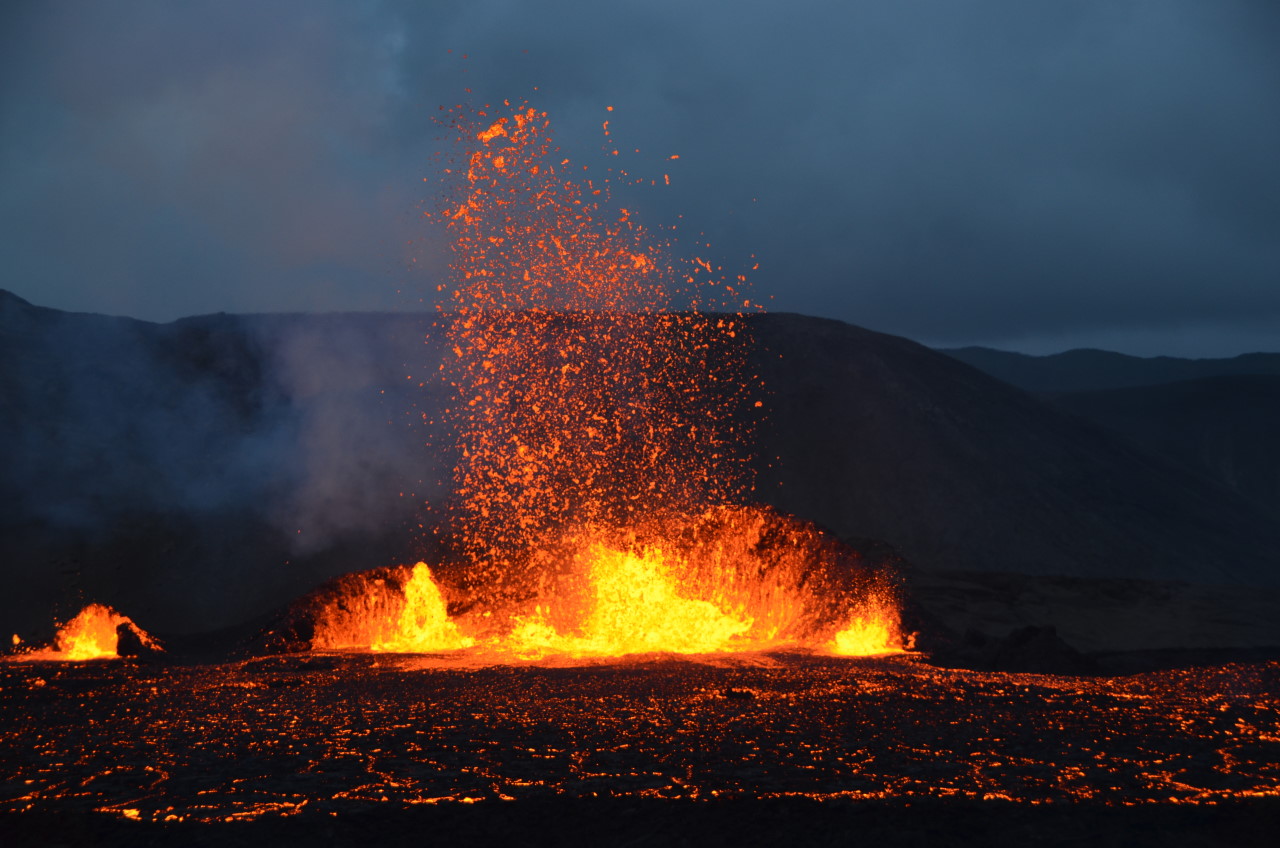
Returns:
point(132, 641)
point(294, 629)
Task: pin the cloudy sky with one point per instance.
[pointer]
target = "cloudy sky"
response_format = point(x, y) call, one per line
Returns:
point(1027, 175)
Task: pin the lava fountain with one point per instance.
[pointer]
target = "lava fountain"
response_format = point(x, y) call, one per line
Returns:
point(92, 634)
point(602, 411)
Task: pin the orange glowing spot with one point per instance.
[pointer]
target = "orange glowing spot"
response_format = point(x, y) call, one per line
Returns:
point(497, 128)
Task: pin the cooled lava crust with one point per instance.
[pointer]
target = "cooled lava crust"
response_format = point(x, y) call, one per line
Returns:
point(315, 736)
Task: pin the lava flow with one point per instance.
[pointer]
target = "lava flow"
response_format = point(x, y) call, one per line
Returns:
point(603, 439)
point(375, 737)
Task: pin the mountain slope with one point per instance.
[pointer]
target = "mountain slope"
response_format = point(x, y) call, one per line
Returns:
point(881, 437)
point(1222, 427)
point(200, 472)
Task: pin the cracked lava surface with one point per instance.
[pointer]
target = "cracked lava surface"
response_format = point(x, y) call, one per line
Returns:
point(346, 732)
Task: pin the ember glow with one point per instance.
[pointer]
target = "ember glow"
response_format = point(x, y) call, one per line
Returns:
point(93, 634)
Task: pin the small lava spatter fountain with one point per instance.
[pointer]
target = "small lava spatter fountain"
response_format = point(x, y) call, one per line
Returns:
point(92, 634)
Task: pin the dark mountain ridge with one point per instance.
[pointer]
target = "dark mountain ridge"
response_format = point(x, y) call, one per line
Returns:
point(962, 471)
point(1087, 370)
point(200, 472)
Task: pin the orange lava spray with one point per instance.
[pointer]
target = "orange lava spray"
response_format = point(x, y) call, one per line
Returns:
point(581, 396)
point(603, 429)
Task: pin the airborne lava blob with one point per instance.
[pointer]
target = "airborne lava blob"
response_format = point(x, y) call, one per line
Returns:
point(603, 429)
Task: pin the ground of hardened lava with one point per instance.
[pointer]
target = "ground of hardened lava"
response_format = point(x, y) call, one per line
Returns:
point(745, 750)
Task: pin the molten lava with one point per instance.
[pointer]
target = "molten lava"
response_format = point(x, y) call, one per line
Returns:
point(580, 397)
point(602, 429)
point(93, 634)
point(635, 607)
point(873, 629)
point(731, 579)
point(407, 616)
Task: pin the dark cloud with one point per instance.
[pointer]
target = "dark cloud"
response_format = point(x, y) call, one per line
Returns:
point(983, 172)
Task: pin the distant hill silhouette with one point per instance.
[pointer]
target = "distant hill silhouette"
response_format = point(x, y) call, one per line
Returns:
point(1088, 370)
point(200, 472)
point(1217, 417)
point(879, 436)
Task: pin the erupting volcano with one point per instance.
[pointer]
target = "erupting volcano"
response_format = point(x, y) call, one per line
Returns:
point(598, 431)
point(603, 414)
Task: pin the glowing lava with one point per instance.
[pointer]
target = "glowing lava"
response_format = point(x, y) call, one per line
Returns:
point(93, 634)
point(602, 430)
point(581, 397)
point(408, 616)
point(873, 628)
point(634, 607)
point(731, 579)
point(424, 623)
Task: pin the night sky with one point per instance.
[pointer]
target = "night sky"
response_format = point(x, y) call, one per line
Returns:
point(1029, 175)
